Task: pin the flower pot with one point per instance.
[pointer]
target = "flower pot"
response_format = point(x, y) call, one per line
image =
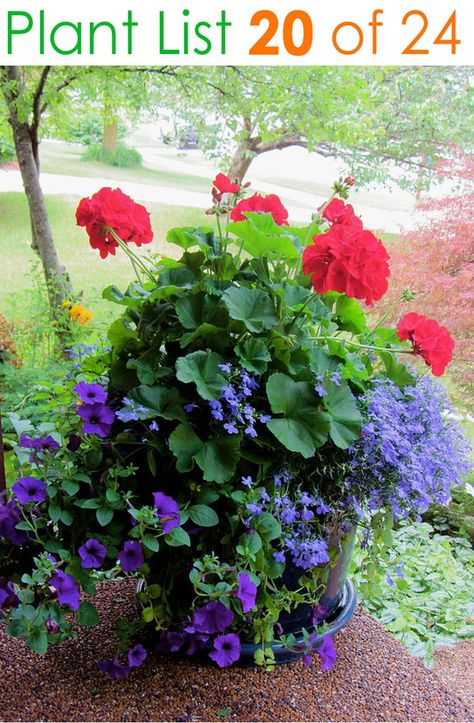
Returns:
point(334, 608)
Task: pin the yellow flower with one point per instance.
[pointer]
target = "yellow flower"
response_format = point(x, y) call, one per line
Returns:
point(80, 314)
point(66, 304)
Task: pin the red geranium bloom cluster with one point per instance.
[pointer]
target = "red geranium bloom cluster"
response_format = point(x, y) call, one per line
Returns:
point(111, 209)
point(429, 339)
point(347, 258)
point(261, 204)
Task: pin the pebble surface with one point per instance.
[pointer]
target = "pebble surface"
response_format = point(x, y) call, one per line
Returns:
point(374, 679)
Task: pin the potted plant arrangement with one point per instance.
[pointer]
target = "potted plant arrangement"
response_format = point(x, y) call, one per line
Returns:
point(244, 420)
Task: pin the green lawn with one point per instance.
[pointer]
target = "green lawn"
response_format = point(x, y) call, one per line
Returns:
point(89, 273)
point(65, 159)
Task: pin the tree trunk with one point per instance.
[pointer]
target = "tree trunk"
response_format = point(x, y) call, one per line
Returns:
point(241, 160)
point(110, 139)
point(58, 282)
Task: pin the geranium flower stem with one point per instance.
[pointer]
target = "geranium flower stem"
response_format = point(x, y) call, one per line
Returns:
point(386, 315)
point(135, 260)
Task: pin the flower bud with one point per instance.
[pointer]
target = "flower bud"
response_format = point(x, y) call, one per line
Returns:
point(52, 627)
point(349, 181)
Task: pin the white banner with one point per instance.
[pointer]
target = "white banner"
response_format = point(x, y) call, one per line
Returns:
point(244, 32)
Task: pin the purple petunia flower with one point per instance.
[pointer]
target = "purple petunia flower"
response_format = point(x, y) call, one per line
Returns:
point(90, 393)
point(29, 489)
point(8, 597)
point(167, 510)
point(10, 516)
point(212, 618)
point(98, 419)
point(170, 641)
point(39, 444)
point(136, 656)
point(131, 558)
point(246, 592)
point(226, 650)
point(66, 588)
point(52, 627)
point(327, 653)
point(92, 554)
point(113, 668)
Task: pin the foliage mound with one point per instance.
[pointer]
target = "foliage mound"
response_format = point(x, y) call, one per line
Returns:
point(122, 156)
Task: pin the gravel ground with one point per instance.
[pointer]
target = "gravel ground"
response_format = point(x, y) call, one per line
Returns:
point(455, 667)
point(374, 679)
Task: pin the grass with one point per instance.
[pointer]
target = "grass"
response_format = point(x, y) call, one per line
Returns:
point(65, 159)
point(89, 273)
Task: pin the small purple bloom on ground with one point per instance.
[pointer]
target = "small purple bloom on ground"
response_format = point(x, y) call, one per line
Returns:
point(113, 668)
point(92, 554)
point(90, 393)
point(226, 650)
point(29, 489)
point(131, 558)
point(136, 656)
point(327, 653)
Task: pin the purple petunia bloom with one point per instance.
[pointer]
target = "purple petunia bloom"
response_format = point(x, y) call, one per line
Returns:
point(90, 393)
point(246, 592)
point(92, 554)
point(39, 444)
point(136, 656)
point(214, 617)
point(66, 588)
point(10, 516)
point(167, 510)
point(98, 419)
point(29, 489)
point(226, 650)
point(170, 641)
point(327, 653)
point(8, 597)
point(52, 627)
point(113, 668)
point(131, 558)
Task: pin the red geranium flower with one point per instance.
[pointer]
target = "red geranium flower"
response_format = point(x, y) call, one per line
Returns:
point(225, 185)
point(111, 209)
point(338, 212)
point(429, 339)
point(261, 204)
point(349, 260)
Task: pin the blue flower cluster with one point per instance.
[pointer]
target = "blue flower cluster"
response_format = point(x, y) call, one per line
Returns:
point(411, 450)
point(233, 407)
point(298, 513)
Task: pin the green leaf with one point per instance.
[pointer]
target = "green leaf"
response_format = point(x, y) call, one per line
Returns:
point(303, 427)
point(66, 518)
point(397, 372)
point(121, 335)
point(203, 516)
point(149, 367)
point(204, 331)
point(346, 420)
point(153, 591)
point(268, 527)
point(148, 615)
point(87, 614)
point(322, 362)
point(194, 310)
point(202, 368)
point(251, 306)
point(178, 537)
point(163, 401)
point(218, 458)
point(17, 628)
point(151, 542)
point(263, 237)
point(54, 512)
point(184, 444)
point(37, 640)
point(91, 504)
point(253, 355)
point(352, 317)
point(71, 488)
point(187, 237)
point(104, 516)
